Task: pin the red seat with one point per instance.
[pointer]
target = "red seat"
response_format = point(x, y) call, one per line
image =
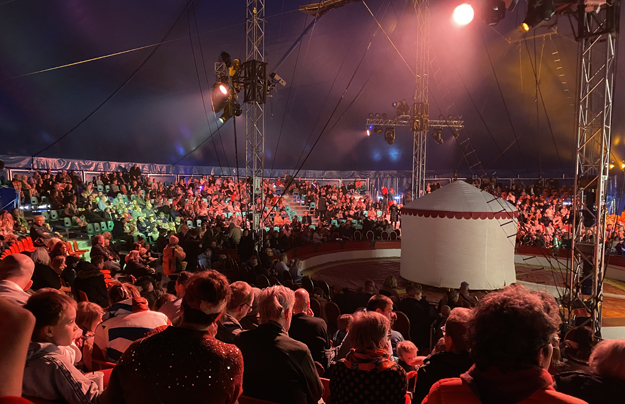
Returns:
point(70, 250)
point(326, 389)
point(29, 244)
point(14, 248)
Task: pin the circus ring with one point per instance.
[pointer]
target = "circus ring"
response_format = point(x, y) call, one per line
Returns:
point(349, 264)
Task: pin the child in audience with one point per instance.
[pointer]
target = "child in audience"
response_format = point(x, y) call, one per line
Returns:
point(343, 324)
point(408, 359)
point(88, 316)
point(49, 373)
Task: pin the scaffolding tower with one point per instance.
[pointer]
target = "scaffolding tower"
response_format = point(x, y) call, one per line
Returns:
point(597, 34)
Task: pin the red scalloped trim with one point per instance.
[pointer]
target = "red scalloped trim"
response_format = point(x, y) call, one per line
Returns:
point(460, 215)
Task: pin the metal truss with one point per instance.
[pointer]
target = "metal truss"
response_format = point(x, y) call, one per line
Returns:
point(255, 110)
point(406, 120)
point(598, 36)
point(422, 8)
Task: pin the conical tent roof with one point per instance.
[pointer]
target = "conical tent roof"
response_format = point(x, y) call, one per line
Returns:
point(460, 197)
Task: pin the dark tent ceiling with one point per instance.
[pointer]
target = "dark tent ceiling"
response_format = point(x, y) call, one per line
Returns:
point(158, 116)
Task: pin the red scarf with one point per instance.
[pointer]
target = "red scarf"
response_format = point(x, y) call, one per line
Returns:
point(369, 360)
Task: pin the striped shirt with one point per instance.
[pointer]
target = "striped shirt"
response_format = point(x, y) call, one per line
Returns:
point(125, 323)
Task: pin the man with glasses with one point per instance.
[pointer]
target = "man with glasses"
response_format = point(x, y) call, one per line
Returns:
point(239, 305)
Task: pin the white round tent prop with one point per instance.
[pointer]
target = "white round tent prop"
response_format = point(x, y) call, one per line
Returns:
point(456, 234)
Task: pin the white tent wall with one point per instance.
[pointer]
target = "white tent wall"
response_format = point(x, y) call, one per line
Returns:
point(443, 252)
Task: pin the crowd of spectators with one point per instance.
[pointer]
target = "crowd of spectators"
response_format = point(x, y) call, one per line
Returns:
point(212, 339)
point(132, 205)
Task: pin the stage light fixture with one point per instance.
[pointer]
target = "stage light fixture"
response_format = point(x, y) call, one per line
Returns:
point(231, 109)
point(389, 135)
point(368, 132)
point(377, 129)
point(223, 88)
point(384, 116)
point(371, 115)
point(463, 14)
point(493, 11)
point(218, 98)
point(436, 135)
point(225, 57)
point(377, 116)
point(455, 133)
point(623, 165)
point(538, 13)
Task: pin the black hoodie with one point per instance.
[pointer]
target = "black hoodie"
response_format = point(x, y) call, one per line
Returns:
point(442, 365)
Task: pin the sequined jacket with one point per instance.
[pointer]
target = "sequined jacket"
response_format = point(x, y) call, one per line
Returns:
point(177, 365)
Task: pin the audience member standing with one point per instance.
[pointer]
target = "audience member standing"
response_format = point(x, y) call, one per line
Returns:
point(277, 367)
point(173, 255)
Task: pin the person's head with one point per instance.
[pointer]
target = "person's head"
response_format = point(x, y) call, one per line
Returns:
point(456, 330)
point(58, 263)
point(511, 331)
point(580, 342)
point(608, 359)
point(40, 256)
point(369, 330)
point(17, 268)
point(302, 301)
point(88, 316)
point(407, 352)
point(390, 282)
point(205, 298)
point(98, 239)
point(133, 256)
point(122, 291)
point(55, 315)
point(164, 298)
point(453, 295)
point(181, 283)
point(464, 287)
point(381, 304)
point(98, 260)
point(284, 258)
point(369, 286)
point(344, 321)
point(241, 299)
point(276, 304)
point(173, 240)
point(39, 220)
point(414, 291)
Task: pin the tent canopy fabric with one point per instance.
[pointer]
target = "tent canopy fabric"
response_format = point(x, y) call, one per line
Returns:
point(459, 197)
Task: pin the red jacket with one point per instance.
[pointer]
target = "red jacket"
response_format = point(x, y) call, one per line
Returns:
point(455, 391)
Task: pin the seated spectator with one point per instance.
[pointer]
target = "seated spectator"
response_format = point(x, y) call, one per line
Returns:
point(465, 296)
point(311, 330)
point(40, 230)
point(578, 345)
point(99, 248)
point(21, 225)
point(164, 299)
point(367, 374)
point(238, 307)
point(135, 267)
point(44, 276)
point(88, 316)
point(281, 266)
point(380, 304)
point(250, 321)
point(277, 367)
point(90, 281)
point(343, 328)
point(127, 319)
point(454, 361)
point(185, 363)
point(389, 288)
point(419, 317)
point(510, 334)
point(407, 356)
point(451, 299)
point(296, 271)
point(16, 271)
point(17, 328)
point(173, 309)
point(173, 255)
point(605, 383)
point(50, 374)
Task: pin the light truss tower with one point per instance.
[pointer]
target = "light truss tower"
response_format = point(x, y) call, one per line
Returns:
point(255, 97)
point(420, 106)
point(597, 35)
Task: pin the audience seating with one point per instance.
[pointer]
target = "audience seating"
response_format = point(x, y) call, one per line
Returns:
point(78, 250)
point(315, 306)
point(25, 244)
point(333, 312)
point(402, 325)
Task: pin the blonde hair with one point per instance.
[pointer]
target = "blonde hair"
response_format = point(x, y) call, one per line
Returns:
point(390, 282)
point(86, 314)
point(406, 347)
point(275, 302)
point(368, 329)
point(608, 359)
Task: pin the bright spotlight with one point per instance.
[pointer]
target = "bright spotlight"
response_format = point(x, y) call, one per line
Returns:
point(223, 89)
point(368, 132)
point(463, 14)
